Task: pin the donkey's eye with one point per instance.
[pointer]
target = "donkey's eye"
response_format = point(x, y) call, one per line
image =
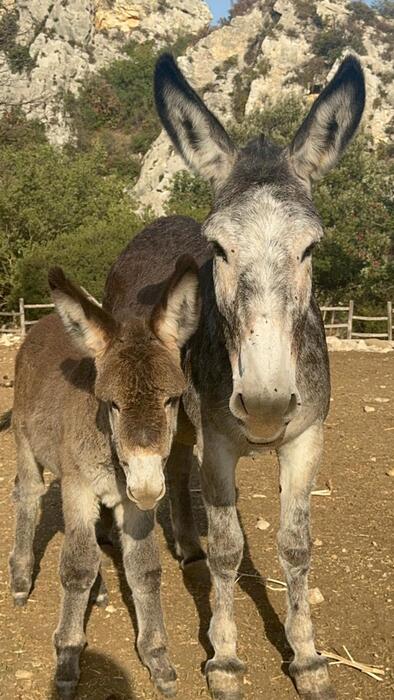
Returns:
point(219, 251)
point(114, 406)
point(307, 252)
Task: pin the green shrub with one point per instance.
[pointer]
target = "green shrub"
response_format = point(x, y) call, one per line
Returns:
point(190, 196)
point(45, 193)
point(86, 255)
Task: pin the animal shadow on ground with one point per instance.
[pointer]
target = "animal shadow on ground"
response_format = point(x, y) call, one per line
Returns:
point(197, 580)
point(101, 679)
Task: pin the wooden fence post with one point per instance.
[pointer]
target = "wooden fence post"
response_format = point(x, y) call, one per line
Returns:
point(389, 320)
point(22, 316)
point(350, 320)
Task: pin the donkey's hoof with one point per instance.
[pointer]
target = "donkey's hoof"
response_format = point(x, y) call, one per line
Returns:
point(165, 681)
point(66, 689)
point(312, 680)
point(166, 688)
point(225, 678)
point(20, 599)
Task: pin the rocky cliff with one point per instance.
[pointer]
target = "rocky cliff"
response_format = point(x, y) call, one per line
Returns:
point(49, 47)
point(275, 48)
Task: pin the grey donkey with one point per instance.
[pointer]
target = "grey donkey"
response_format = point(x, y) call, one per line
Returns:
point(257, 368)
point(96, 403)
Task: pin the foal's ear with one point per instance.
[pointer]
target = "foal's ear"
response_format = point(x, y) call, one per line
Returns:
point(89, 325)
point(331, 123)
point(197, 135)
point(176, 316)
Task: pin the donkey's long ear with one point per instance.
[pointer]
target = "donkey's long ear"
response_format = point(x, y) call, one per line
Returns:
point(195, 132)
point(331, 123)
point(89, 325)
point(176, 316)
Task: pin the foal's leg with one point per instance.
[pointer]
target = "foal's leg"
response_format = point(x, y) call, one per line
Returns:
point(299, 461)
point(225, 545)
point(29, 487)
point(143, 573)
point(79, 565)
point(185, 532)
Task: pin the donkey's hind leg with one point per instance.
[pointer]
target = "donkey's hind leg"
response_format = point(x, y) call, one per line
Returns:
point(299, 460)
point(29, 487)
point(187, 541)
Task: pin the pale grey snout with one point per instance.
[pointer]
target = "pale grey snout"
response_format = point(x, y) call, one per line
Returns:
point(145, 484)
point(265, 398)
point(275, 407)
point(146, 499)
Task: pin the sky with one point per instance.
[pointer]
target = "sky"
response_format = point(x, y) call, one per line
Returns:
point(220, 8)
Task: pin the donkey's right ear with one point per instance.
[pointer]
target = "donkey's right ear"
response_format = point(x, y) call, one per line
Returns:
point(90, 326)
point(197, 135)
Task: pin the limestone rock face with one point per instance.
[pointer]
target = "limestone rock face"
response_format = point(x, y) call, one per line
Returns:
point(265, 54)
point(69, 39)
point(271, 43)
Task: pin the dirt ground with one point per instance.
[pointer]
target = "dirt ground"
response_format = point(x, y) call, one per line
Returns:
point(351, 567)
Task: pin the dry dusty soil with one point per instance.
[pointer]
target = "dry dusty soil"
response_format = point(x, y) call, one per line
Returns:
point(351, 567)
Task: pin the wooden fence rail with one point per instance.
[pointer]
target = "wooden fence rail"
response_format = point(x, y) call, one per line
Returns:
point(347, 322)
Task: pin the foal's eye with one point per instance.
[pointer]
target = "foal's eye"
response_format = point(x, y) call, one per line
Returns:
point(171, 401)
point(219, 251)
point(307, 252)
point(114, 406)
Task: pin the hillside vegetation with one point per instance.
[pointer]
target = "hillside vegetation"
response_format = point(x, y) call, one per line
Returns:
point(72, 207)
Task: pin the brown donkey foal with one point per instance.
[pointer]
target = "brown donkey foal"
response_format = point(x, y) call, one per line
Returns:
point(96, 403)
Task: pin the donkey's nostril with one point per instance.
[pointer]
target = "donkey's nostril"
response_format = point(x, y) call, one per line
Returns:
point(240, 399)
point(292, 407)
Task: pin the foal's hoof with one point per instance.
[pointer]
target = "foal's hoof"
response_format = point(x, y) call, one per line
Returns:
point(225, 677)
point(20, 599)
point(101, 600)
point(312, 680)
point(66, 690)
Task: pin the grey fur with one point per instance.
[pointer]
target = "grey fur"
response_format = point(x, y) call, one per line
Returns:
point(252, 251)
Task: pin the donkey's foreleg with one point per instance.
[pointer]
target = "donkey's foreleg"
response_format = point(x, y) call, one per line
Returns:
point(143, 572)
point(29, 487)
point(299, 461)
point(79, 565)
point(185, 532)
point(225, 545)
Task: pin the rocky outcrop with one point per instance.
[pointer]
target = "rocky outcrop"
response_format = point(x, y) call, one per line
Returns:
point(62, 41)
point(271, 51)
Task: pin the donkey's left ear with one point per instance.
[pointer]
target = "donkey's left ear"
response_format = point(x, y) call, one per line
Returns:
point(331, 123)
point(176, 316)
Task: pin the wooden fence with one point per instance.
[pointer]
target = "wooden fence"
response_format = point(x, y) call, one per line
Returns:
point(351, 317)
point(333, 311)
